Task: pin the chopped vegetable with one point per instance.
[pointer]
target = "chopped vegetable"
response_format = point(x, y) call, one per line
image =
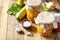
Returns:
point(21, 13)
point(14, 9)
point(47, 9)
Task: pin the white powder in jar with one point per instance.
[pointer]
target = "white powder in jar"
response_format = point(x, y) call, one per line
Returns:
point(27, 24)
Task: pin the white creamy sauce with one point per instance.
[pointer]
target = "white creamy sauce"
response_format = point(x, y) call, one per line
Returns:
point(33, 2)
point(45, 17)
point(27, 24)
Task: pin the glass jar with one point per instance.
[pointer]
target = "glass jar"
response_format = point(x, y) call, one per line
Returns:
point(44, 29)
point(31, 14)
point(32, 9)
point(44, 22)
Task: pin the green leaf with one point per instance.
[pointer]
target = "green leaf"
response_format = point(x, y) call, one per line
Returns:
point(14, 9)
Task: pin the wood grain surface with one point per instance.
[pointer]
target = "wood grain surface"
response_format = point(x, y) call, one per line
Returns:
point(8, 24)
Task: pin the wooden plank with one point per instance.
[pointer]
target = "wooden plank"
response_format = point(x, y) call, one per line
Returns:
point(12, 25)
point(0, 11)
point(9, 23)
point(35, 36)
point(51, 37)
point(58, 35)
point(3, 21)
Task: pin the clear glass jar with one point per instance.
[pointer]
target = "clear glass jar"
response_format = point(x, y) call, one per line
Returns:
point(44, 22)
point(32, 9)
point(31, 13)
point(44, 29)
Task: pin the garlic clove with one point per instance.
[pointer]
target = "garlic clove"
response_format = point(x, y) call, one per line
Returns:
point(29, 34)
point(19, 30)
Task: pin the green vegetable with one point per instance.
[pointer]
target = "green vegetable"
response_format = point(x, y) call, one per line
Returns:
point(21, 13)
point(47, 9)
point(14, 9)
point(20, 2)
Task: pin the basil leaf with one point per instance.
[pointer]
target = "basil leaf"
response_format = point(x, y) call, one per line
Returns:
point(14, 9)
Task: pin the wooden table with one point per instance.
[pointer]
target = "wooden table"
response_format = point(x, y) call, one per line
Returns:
point(8, 24)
